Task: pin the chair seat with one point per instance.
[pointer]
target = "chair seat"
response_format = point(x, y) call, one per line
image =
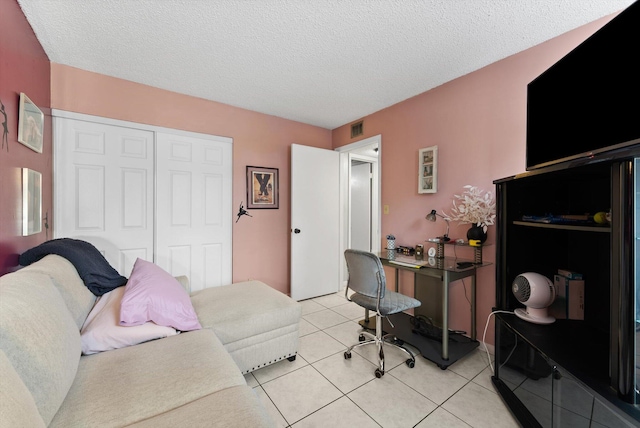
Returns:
point(392, 302)
point(368, 281)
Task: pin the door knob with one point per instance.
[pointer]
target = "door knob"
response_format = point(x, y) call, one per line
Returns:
point(296, 230)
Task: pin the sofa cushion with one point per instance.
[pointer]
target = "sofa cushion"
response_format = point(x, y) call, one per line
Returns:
point(152, 294)
point(17, 408)
point(237, 407)
point(136, 383)
point(65, 277)
point(102, 330)
point(257, 309)
point(39, 337)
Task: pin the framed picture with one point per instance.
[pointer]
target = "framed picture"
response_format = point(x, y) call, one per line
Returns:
point(31, 202)
point(262, 187)
point(30, 124)
point(428, 170)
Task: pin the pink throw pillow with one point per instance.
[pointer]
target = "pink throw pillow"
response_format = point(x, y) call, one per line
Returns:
point(152, 294)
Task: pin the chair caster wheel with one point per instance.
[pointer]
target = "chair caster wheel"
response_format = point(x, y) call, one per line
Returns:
point(411, 363)
point(347, 355)
point(442, 367)
point(361, 338)
point(379, 373)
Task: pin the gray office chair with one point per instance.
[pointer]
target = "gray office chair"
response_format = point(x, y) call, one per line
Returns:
point(367, 279)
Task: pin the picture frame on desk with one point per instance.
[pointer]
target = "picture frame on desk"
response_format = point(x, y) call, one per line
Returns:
point(428, 170)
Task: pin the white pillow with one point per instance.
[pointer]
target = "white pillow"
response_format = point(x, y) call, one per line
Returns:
point(101, 330)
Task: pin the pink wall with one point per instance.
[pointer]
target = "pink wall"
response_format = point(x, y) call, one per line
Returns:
point(478, 122)
point(261, 242)
point(24, 67)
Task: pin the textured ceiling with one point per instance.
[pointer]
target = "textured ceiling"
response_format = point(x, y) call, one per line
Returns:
point(322, 62)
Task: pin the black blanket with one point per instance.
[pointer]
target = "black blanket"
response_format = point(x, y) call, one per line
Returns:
point(96, 272)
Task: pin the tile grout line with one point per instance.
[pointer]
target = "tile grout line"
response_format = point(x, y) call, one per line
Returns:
point(387, 372)
point(274, 404)
point(322, 307)
point(345, 395)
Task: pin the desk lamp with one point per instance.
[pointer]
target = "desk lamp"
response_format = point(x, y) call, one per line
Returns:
point(432, 217)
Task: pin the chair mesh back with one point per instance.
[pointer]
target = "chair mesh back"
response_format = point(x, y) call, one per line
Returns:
point(365, 273)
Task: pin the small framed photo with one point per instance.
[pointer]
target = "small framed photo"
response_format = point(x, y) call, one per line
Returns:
point(428, 170)
point(31, 202)
point(30, 124)
point(262, 188)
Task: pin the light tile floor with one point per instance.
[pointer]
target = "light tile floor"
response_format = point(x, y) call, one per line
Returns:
point(322, 389)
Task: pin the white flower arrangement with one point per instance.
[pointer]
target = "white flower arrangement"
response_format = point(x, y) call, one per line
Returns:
point(474, 206)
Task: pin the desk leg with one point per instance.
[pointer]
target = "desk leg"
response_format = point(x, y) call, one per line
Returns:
point(397, 279)
point(473, 306)
point(445, 316)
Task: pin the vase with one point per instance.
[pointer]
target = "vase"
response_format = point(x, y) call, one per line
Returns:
point(477, 233)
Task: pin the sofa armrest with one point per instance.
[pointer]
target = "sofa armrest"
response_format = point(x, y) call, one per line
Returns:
point(184, 281)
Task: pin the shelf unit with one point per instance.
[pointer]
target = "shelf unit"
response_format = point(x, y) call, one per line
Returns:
point(590, 355)
point(604, 229)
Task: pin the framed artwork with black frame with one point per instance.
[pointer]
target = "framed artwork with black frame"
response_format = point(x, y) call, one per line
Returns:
point(262, 188)
point(428, 170)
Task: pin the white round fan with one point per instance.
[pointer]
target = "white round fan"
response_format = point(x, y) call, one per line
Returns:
point(537, 293)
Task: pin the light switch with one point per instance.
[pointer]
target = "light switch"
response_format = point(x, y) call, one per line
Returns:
point(385, 209)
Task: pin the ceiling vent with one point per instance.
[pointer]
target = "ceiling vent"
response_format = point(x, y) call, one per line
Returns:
point(357, 129)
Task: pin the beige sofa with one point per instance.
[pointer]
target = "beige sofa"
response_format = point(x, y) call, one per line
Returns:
point(190, 379)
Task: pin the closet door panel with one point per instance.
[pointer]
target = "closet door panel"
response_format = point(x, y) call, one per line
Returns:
point(89, 201)
point(103, 189)
point(194, 214)
point(179, 198)
point(134, 188)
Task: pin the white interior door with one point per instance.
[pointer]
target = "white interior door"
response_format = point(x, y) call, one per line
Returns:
point(315, 222)
point(103, 189)
point(194, 214)
point(367, 150)
point(360, 206)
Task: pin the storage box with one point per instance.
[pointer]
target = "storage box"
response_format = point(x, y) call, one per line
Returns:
point(558, 308)
point(569, 302)
point(569, 274)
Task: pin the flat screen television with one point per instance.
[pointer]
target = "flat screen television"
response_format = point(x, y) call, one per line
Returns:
point(589, 101)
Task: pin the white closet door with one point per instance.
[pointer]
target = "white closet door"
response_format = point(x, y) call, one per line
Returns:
point(193, 203)
point(103, 189)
